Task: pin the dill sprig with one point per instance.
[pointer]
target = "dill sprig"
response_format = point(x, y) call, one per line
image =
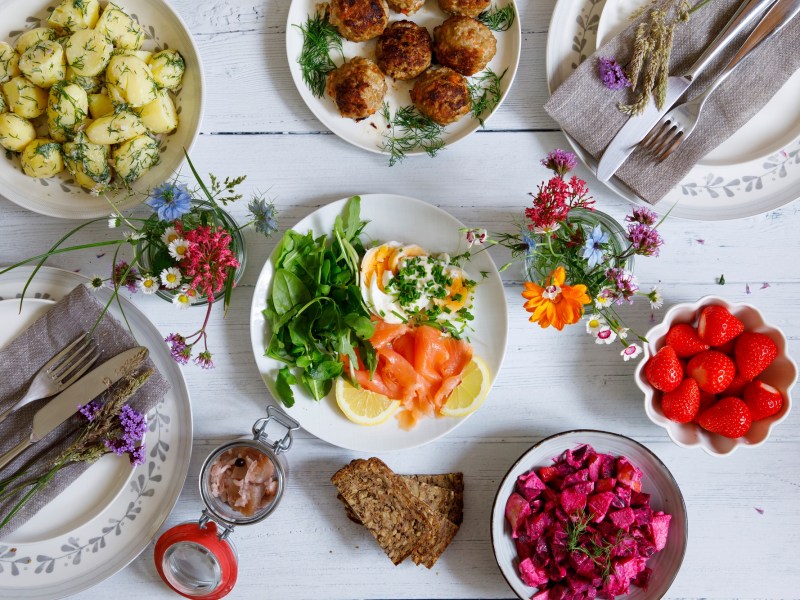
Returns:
point(410, 130)
point(485, 92)
point(320, 38)
point(499, 19)
point(579, 541)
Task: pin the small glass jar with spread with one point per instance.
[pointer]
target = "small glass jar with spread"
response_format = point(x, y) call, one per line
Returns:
point(241, 483)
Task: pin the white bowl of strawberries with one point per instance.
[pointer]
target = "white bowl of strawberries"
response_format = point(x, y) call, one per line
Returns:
point(716, 375)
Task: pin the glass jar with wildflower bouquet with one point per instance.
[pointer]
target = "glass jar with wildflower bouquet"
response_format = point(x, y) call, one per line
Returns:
point(191, 251)
point(579, 260)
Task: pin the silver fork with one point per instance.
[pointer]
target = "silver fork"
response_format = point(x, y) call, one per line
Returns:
point(60, 372)
point(679, 123)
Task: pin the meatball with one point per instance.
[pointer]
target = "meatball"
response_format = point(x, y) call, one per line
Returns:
point(442, 94)
point(404, 50)
point(359, 20)
point(357, 88)
point(468, 8)
point(406, 7)
point(464, 44)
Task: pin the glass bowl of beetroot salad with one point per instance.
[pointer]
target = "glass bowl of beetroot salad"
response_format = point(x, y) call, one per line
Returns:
point(589, 514)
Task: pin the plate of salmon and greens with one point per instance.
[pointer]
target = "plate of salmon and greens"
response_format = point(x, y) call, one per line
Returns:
point(375, 326)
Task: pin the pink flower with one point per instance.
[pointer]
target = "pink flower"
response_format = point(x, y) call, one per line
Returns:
point(554, 200)
point(209, 258)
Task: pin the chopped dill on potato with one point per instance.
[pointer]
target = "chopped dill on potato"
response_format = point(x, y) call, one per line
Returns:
point(319, 39)
point(499, 19)
point(485, 91)
point(410, 130)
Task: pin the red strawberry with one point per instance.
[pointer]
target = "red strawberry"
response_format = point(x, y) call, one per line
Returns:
point(683, 402)
point(763, 400)
point(706, 401)
point(729, 417)
point(717, 325)
point(754, 352)
point(664, 371)
point(712, 370)
point(726, 348)
point(736, 388)
point(685, 340)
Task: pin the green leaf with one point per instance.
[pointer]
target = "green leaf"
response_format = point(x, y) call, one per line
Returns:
point(288, 290)
point(317, 388)
point(361, 325)
point(283, 385)
point(328, 369)
point(352, 217)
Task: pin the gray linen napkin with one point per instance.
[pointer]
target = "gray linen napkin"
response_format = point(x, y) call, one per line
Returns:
point(19, 362)
point(587, 111)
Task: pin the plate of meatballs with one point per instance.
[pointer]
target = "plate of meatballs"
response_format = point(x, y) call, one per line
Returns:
point(429, 54)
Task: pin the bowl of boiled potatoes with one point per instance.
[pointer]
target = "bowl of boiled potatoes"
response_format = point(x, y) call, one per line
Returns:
point(98, 101)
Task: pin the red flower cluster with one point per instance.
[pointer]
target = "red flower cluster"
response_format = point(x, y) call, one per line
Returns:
point(554, 200)
point(208, 259)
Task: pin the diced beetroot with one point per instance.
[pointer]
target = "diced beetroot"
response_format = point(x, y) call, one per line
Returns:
point(623, 518)
point(594, 467)
point(627, 473)
point(605, 485)
point(577, 457)
point(517, 511)
point(543, 595)
point(639, 499)
point(531, 575)
point(643, 579)
point(607, 466)
point(599, 504)
point(523, 547)
point(547, 474)
point(538, 525)
point(624, 494)
point(582, 564)
point(659, 528)
point(643, 516)
point(576, 477)
point(530, 486)
point(572, 502)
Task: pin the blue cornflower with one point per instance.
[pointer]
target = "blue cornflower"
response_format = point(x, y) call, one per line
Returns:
point(264, 214)
point(170, 201)
point(593, 248)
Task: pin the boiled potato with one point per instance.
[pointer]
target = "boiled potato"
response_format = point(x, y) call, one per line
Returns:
point(9, 62)
point(88, 52)
point(24, 98)
point(3, 103)
point(43, 63)
point(33, 37)
point(91, 85)
point(115, 129)
point(135, 157)
point(160, 116)
point(74, 15)
point(116, 94)
point(145, 55)
point(120, 28)
point(132, 79)
point(167, 67)
point(100, 105)
point(15, 132)
point(88, 162)
point(67, 110)
point(42, 158)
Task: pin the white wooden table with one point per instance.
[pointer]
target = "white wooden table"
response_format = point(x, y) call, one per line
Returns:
point(255, 123)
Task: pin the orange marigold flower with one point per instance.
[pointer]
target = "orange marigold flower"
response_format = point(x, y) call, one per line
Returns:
point(557, 304)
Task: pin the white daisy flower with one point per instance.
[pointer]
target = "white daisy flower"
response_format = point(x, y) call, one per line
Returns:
point(631, 352)
point(656, 298)
point(148, 284)
point(170, 235)
point(133, 236)
point(190, 292)
point(605, 335)
point(114, 221)
point(178, 248)
point(95, 283)
point(594, 323)
point(182, 301)
point(171, 278)
point(602, 300)
point(623, 332)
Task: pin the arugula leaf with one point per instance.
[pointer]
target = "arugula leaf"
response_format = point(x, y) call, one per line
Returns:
point(288, 290)
point(317, 388)
point(361, 325)
point(283, 384)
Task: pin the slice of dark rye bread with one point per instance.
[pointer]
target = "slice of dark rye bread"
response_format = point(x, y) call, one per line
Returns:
point(435, 503)
point(382, 502)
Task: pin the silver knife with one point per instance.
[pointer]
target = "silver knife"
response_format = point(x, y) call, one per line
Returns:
point(636, 128)
point(86, 389)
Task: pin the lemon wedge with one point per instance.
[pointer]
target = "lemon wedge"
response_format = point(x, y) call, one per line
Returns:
point(471, 392)
point(363, 406)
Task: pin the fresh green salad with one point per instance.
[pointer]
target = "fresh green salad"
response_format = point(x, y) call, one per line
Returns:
point(315, 308)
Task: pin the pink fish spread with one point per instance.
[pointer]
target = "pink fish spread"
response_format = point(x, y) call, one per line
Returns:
point(244, 479)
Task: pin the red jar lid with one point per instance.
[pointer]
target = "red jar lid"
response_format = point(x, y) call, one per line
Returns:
point(195, 563)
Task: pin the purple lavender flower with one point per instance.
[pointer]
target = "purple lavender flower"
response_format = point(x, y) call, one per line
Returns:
point(645, 239)
point(134, 423)
point(204, 360)
point(642, 215)
point(178, 348)
point(119, 446)
point(625, 284)
point(560, 162)
point(137, 456)
point(120, 278)
point(89, 411)
point(611, 74)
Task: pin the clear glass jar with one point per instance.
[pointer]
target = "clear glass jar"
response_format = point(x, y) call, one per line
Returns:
point(196, 559)
point(147, 256)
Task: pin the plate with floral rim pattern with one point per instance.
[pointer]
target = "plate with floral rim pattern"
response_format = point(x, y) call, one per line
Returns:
point(73, 561)
point(708, 192)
